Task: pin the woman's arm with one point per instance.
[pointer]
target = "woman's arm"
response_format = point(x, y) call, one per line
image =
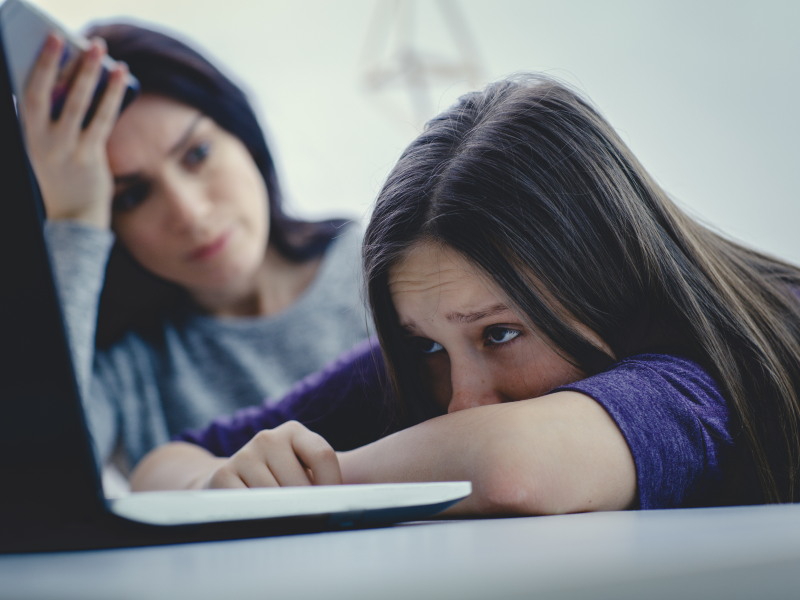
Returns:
point(72, 171)
point(556, 454)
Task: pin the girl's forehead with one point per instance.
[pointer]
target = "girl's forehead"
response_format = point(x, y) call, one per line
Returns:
point(428, 265)
point(433, 277)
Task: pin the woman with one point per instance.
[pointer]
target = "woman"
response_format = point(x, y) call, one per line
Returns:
point(214, 298)
point(593, 348)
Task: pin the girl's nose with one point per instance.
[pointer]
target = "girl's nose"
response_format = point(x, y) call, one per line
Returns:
point(472, 386)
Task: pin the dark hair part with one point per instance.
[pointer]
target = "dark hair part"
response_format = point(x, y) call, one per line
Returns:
point(167, 67)
point(528, 182)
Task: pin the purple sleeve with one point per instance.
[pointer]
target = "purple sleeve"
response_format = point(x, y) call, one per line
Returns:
point(346, 403)
point(676, 424)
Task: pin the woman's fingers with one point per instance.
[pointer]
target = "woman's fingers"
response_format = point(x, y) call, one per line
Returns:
point(71, 166)
point(108, 109)
point(82, 88)
point(39, 88)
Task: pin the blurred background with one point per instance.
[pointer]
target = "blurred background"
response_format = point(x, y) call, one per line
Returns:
point(705, 92)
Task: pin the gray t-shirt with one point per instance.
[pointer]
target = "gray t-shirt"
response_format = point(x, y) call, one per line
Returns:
point(139, 393)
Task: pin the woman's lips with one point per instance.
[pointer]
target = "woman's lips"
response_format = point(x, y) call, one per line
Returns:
point(211, 249)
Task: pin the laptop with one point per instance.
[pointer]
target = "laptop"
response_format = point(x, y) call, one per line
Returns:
point(51, 497)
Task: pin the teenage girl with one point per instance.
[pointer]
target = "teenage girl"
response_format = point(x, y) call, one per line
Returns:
point(586, 345)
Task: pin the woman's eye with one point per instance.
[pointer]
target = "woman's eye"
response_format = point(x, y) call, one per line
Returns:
point(428, 346)
point(196, 154)
point(130, 197)
point(501, 335)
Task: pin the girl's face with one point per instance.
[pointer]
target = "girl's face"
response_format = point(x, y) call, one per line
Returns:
point(189, 203)
point(475, 349)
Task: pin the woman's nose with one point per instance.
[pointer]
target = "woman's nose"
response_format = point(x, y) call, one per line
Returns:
point(187, 204)
point(472, 386)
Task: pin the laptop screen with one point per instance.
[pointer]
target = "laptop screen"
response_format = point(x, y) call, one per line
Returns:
point(46, 459)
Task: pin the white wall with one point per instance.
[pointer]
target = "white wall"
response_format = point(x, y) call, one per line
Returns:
point(705, 93)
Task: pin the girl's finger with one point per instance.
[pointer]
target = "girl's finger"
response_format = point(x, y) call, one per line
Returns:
point(39, 89)
point(79, 97)
point(318, 456)
point(286, 467)
point(254, 472)
point(224, 478)
point(108, 109)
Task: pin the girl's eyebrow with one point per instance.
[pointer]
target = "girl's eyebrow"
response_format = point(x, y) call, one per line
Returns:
point(134, 177)
point(410, 328)
point(482, 313)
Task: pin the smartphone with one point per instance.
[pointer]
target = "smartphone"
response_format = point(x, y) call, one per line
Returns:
point(24, 29)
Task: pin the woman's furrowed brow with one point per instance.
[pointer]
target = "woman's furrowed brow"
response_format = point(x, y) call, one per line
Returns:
point(186, 135)
point(131, 178)
point(477, 315)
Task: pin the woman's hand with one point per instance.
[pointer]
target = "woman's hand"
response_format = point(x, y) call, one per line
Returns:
point(70, 162)
point(289, 455)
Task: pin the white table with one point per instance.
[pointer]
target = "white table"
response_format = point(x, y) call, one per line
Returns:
point(727, 553)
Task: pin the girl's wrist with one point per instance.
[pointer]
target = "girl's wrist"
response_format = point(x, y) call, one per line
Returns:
point(351, 467)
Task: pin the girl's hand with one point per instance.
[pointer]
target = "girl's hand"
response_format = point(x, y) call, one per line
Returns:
point(288, 455)
point(70, 162)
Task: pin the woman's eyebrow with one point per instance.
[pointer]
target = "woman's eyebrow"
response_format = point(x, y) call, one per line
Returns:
point(186, 136)
point(482, 313)
point(135, 177)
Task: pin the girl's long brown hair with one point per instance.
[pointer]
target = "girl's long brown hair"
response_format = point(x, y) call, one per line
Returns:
point(530, 183)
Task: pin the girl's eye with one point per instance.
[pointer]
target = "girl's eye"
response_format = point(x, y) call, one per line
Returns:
point(130, 197)
point(428, 346)
point(501, 335)
point(196, 155)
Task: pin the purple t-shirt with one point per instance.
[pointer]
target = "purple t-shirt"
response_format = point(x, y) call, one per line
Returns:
point(344, 403)
point(677, 426)
point(669, 409)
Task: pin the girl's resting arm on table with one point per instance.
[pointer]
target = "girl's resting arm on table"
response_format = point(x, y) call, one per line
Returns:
point(555, 454)
point(652, 431)
point(559, 453)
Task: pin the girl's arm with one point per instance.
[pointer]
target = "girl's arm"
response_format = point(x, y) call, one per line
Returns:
point(289, 455)
point(345, 402)
point(174, 466)
point(555, 454)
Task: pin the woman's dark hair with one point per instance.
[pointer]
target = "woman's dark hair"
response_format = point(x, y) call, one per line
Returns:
point(165, 66)
point(528, 182)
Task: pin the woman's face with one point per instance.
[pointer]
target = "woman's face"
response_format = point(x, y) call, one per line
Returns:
point(189, 203)
point(475, 349)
